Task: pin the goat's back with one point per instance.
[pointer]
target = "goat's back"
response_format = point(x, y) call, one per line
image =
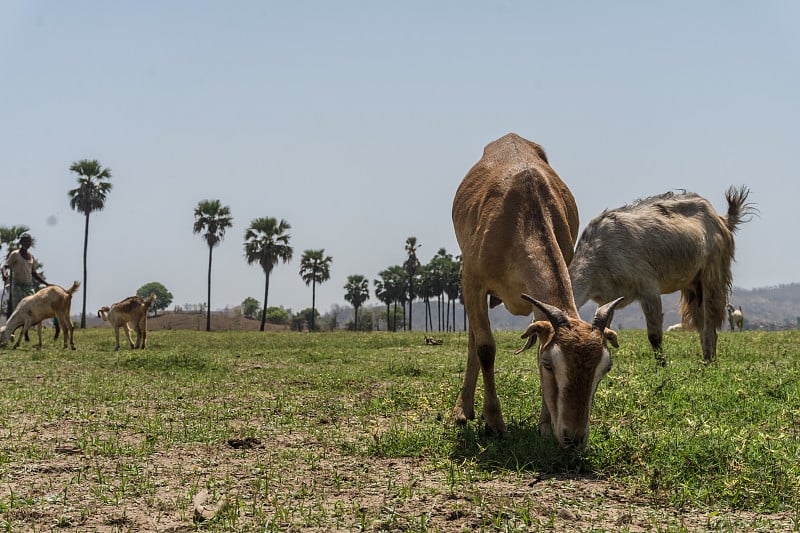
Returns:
point(667, 238)
point(51, 295)
point(45, 303)
point(513, 214)
point(131, 304)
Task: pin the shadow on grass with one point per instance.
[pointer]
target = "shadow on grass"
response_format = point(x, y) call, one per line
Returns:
point(521, 449)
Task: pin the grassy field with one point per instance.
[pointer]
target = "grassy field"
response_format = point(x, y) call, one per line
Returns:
point(247, 431)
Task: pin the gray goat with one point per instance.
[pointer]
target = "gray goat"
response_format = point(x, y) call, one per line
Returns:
point(658, 245)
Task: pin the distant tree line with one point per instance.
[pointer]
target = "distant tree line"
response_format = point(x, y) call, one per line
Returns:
point(266, 243)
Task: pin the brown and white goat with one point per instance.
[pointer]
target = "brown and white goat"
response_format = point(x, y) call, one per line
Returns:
point(735, 318)
point(666, 243)
point(516, 223)
point(130, 311)
point(51, 302)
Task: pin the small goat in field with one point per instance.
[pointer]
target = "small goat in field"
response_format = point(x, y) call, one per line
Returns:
point(516, 223)
point(666, 243)
point(51, 302)
point(132, 310)
point(735, 317)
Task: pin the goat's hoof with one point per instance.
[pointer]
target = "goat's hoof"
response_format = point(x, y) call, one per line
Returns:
point(460, 416)
point(460, 419)
point(490, 431)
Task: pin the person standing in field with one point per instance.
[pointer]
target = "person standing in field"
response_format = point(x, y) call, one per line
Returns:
point(20, 264)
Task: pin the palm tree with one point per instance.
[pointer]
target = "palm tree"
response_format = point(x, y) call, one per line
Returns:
point(440, 268)
point(426, 290)
point(315, 268)
point(267, 242)
point(9, 237)
point(391, 289)
point(357, 288)
point(211, 219)
point(411, 266)
point(452, 288)
point(89, 196)
point(383, 293)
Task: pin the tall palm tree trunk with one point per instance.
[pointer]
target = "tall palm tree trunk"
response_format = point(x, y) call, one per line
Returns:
point(85, 254)
point(313, 300)
point(426, 311)
point(208, 304)
point(264, 310)
point(410, 304)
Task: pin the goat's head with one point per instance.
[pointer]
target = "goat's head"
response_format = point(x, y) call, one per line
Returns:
point(573, 358)
point(5, 336)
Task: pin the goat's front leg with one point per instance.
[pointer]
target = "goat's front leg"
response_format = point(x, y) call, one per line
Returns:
point(22, 334)
point(492, 413)
point(465, 404)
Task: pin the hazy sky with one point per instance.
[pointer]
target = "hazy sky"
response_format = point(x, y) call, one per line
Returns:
point(356, 121)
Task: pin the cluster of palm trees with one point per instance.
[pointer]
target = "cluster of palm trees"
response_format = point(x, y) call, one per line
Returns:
point(439, 280)
point(267, 244)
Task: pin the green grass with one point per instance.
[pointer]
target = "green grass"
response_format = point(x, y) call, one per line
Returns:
point(354, 433)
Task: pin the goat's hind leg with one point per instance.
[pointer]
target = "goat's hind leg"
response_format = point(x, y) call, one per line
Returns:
point(140, 335)
point(126, 328)
point(143, 331)
point(39, 332)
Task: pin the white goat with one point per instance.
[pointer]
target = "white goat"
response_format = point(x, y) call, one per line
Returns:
point(132, 310)
point(52, 301)
point(735, 317)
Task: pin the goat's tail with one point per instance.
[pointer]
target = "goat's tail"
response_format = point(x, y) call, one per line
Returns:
point(74, 288)
point(101, 313)
point(739, 211)
point(150, 300)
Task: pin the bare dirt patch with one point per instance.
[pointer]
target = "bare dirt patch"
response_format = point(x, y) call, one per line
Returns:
point(249, 489)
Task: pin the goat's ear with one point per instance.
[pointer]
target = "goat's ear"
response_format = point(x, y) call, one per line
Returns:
point(611, 336)
point(536, 329)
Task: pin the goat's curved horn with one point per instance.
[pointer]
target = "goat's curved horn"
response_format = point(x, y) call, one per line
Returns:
point(604, 314)
point(556, 316)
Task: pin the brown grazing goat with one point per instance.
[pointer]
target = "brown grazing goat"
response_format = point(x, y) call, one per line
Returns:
point(516, 223)
point(51, 302)
point(132, 310)
point(666, 243)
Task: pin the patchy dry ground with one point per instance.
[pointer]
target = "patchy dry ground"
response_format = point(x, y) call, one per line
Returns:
point(249, 489)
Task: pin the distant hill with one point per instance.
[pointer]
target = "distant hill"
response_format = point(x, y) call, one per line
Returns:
point(764, 308)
